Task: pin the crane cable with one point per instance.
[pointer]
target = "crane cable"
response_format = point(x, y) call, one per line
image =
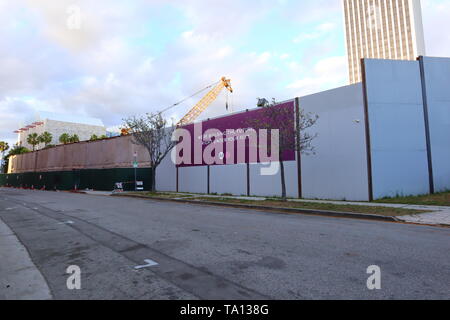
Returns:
point(180, 102)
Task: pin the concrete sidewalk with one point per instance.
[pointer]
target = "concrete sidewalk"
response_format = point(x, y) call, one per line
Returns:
point(437, 215)
point(19, 277)
point(376, 204)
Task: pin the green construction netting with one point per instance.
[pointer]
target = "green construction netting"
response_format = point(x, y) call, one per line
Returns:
point(97, 179)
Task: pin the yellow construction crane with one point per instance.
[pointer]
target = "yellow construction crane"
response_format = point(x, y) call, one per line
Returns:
point(203, 104)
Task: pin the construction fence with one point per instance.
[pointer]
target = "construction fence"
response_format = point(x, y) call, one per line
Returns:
point(97, 165)
point(110, 153)
point(97, 179)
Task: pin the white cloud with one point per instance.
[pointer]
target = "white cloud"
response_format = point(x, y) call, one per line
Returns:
point(436, 21)
point(263, 57)
point(319, 32)
point(327, 73)
point(98, 71)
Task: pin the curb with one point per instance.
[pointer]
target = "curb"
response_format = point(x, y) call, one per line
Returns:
point(268, 208)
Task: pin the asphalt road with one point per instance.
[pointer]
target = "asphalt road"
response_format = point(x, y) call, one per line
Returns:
point(207, 252)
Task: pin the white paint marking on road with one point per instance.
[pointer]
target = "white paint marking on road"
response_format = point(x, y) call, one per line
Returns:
point(67, 222)
point(150, 263)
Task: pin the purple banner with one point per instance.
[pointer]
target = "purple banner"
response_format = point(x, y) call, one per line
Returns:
point(232, 131)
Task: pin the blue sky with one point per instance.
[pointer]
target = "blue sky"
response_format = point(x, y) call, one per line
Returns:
point(132, 57)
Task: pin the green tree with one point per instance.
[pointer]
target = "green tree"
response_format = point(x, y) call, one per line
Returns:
point(4, 146)
point(33, 140)
point(103, 136)
point(74, 138)
point(64, 138)
point(17, 149)
point(45, 138)
point(93, 137)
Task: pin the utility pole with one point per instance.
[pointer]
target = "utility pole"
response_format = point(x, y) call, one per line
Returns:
point(135, 165)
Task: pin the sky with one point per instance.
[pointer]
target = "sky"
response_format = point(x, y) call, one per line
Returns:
point(111, 59)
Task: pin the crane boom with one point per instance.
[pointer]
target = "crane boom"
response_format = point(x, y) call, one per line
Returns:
point(203, 104)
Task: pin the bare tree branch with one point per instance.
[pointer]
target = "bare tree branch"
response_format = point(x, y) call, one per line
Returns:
point(291, 137)
point(152, 132)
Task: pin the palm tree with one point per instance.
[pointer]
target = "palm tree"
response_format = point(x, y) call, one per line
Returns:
point(74, 138)
point(64, 138)
point(45, 138)
point(33, 140)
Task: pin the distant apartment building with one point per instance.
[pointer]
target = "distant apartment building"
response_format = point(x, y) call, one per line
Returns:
point(56, 125)
point(382, 29)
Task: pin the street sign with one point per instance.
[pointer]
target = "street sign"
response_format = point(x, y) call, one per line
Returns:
point(135, 164)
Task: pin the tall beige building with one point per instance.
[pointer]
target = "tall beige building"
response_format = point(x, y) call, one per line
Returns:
point(383, 29)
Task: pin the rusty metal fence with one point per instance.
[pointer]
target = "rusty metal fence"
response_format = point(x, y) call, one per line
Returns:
point(110, 153)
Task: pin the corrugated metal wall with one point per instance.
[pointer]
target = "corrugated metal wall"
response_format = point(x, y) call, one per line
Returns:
point(102, 154)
